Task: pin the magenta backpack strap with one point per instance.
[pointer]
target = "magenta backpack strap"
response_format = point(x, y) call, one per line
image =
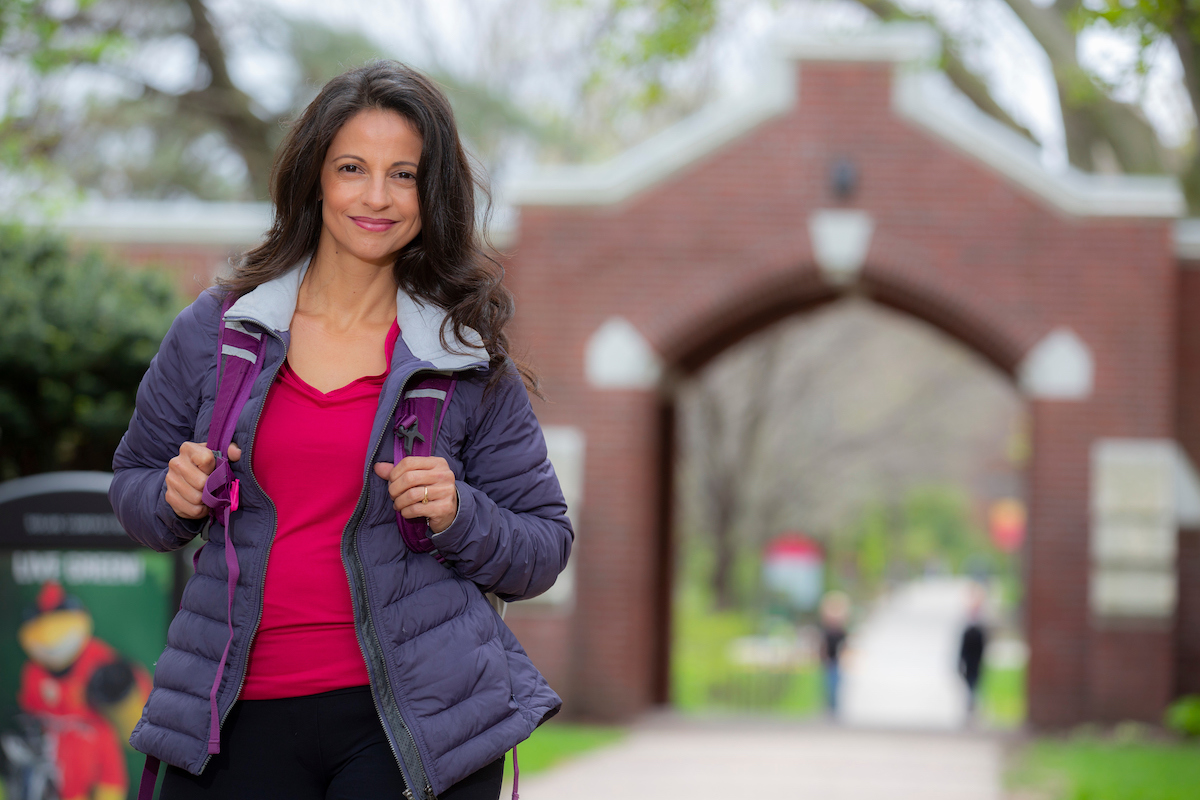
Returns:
point(241, 353)
point(419, 417)
point(149, 776)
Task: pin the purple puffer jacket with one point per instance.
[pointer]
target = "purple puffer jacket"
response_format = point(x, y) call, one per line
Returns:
point(453, 688)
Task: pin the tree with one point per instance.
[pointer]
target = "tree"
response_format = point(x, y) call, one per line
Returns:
point(1100, 130)
point(179, 132)
point(834, 424)
point(77, 333)
point(1154, 20)
point(199, 133)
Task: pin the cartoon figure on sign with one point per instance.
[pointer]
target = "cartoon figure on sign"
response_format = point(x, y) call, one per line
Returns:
point(84, 695)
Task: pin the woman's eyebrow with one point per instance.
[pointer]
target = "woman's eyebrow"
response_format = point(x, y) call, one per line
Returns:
point(362, 160)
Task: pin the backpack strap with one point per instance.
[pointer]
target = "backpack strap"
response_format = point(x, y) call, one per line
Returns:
point(241, 355)
point(419, 416)
point(149, 776)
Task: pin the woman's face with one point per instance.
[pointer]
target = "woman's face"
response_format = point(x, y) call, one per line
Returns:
point(369, 207)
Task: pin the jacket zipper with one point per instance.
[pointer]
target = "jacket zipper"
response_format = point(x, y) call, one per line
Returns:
point(270, 542)
point(355, 522)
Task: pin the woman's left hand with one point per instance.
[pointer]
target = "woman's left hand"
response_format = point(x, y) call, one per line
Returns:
point(422, 487)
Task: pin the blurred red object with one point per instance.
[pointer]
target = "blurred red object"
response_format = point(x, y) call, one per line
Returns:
point(1006, 522)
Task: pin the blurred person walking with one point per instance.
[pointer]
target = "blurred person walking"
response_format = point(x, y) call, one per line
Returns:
point(972, 646)
point(834, 615)
point(335, 640)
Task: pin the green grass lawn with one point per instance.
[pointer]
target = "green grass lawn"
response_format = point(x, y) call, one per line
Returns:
point(1002, 697)
point(703, 678)
point(557, 741)
point(1095, 769)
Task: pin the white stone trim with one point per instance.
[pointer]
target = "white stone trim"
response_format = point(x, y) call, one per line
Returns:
point(921, 95)
point(163, 222)
point(1059, 367)
point(928, 99)
point(1132, 593)
point(566, 447)
point(1142, 491)
point(1187, 490)
point(183, 222)
point(619, 357)
point(1187, 240)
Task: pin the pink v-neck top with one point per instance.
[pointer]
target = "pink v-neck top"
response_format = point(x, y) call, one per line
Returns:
point(308, 456)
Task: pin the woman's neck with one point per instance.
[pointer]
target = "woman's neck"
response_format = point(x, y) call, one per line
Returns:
point(346, 293)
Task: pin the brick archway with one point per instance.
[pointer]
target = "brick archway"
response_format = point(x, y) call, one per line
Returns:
point(786, 295)
point(631, 272)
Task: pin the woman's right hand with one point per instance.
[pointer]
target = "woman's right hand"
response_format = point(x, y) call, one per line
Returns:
point(186, 475)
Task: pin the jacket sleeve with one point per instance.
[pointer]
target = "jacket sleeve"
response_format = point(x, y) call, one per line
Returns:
point(511, 535)
point(168, 402)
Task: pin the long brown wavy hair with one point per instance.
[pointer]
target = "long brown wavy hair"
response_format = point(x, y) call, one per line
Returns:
point(447, 264)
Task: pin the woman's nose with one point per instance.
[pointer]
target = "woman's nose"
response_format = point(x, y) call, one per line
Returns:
point(376, 194)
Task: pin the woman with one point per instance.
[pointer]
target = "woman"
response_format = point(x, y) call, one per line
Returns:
point(354, 667)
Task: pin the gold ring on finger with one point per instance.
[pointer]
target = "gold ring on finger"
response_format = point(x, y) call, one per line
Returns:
point(425, 499)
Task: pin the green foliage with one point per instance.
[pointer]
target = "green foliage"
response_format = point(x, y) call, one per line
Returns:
point(1149, 19)
point(32, 30)
point(77, 333)
point(703, 675)
point(1002, 696)
point(679, 25)
point(1088, 768)
point(1184, 715)
point(938, 527)
point(645, 36)
point(933, 526)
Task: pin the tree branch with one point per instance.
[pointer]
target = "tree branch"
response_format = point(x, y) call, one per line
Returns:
point(1189, 54)
point(250, 135)
point(970, 84)
point(1090, 116)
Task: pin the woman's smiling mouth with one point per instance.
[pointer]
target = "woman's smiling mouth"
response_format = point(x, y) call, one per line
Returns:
point(372, 224)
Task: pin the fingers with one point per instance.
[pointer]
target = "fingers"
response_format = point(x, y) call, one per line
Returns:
point(422, 487)
point(413, 472)
point(186, 474)
point(199, 455)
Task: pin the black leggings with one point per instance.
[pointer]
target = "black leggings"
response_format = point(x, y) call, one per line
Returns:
point(326, 746)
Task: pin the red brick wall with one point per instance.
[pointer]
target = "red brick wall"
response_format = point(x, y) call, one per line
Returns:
point(1056, 600)
point(545, 634)
point(722, 247)
point(194, 266)
point(1132, 673)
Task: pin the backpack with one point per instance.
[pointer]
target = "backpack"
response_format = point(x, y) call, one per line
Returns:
point(416, 424)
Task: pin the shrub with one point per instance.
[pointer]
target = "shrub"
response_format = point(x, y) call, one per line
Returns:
point(1184, 715)
point(77, 332)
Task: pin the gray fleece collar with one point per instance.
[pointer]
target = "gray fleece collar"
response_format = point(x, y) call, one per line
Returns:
point(272, 304)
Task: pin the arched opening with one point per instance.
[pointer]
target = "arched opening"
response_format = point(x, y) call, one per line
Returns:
point(837, 400)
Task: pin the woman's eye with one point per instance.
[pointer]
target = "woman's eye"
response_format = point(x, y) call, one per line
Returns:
point(348, 168)
point(406, 177)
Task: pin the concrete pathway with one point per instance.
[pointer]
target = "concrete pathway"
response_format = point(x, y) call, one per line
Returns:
point(775, 761)
point(901, 668)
